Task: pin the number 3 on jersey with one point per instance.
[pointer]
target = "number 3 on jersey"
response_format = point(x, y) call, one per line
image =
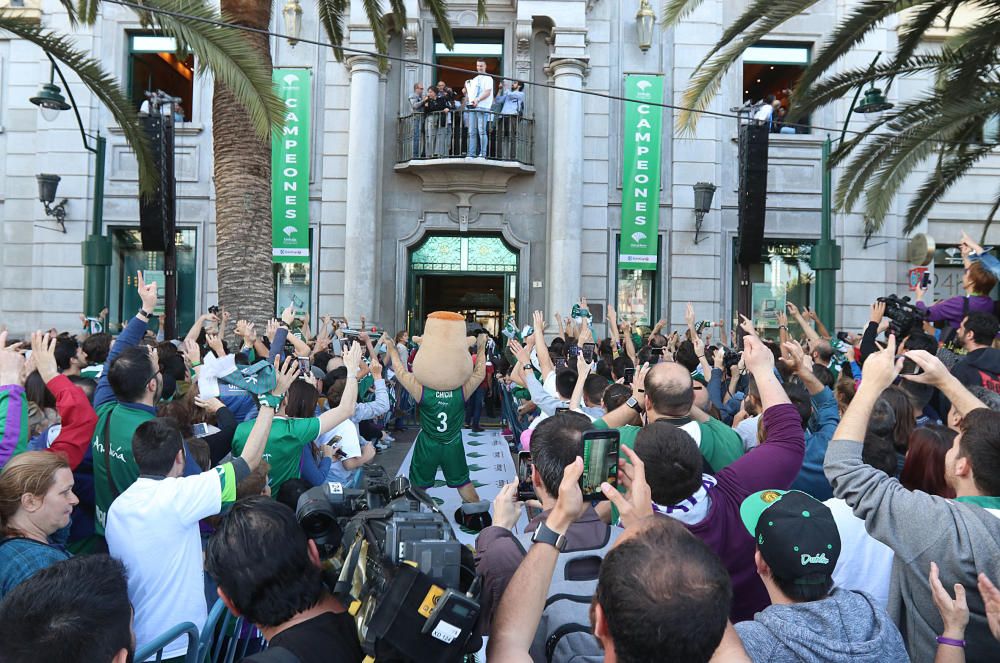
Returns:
point(442, 422)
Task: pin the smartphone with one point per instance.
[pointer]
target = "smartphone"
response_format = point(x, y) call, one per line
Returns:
point(334, 440)
point(588, 352)
point(304, 366)
point(572, 352)
point(562, 408)
point(525, 489)
point(656, 352)
point(204, 430)
point(559, 362)
point(600, 462)
point(910, 367)
point(925, 281)
point(629, 375)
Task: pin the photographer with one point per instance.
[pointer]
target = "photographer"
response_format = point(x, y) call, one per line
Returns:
point(977, 281)
point(269, 572)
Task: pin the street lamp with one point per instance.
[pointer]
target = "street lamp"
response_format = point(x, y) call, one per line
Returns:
point(47, 187)
point(703, 194)
point(645, 19)
point(96, 249)
point(292, 14)
point(49, 99)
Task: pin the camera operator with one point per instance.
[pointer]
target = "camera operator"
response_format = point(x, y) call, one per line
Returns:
point(270, 573)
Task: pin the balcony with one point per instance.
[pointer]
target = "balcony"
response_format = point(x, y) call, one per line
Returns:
point(428, 146)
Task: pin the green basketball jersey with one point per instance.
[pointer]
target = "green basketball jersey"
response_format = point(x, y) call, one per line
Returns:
point(442, 414)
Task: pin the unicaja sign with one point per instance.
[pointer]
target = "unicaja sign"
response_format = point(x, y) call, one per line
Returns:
point(290, 168)
point(641, 171)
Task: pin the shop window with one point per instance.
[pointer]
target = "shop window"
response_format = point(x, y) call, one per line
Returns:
point(774, 69)
point(154, 64)
point(637, 294)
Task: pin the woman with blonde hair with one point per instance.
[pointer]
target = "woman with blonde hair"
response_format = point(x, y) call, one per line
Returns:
point(36, 501)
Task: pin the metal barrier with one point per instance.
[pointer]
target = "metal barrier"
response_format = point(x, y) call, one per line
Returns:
point(445, 135)
point(155, 648)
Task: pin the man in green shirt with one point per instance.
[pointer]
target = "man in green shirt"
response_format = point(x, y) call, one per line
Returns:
point(288, 436)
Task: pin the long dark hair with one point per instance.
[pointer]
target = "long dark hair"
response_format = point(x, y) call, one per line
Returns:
point(902, 407)
point(924, 466)
point(301, 400)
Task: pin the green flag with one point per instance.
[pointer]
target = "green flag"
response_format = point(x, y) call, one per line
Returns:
point(290, 168)
point(641, 171)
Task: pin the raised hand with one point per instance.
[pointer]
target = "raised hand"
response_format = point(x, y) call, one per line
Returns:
point(954, 612)
point(376, 368)
point(352, 359)
point(285, 374)
point(506, 508)
point(211, 405)
point(793, 309)
point(757, 356)
point(288, 315)
point(272, 328)
point(191, 350)
point(637, 503)
point(43, 353)
point(881, 367)
point(147, 293)
point(519, 351)
point(214, 341)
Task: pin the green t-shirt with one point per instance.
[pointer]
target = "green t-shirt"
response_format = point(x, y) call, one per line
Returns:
point(720, 444)
point(365, 385)
point(442, 414)
point(117, 456)
point(284, 446)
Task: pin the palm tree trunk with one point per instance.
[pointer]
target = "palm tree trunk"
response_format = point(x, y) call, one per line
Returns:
point(243, 189)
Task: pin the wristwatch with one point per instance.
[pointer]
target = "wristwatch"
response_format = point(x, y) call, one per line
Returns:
point(634, 404)
point(145, 313)
point(544, 535)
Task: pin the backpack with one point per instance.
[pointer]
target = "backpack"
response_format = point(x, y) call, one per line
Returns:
point(563, 634)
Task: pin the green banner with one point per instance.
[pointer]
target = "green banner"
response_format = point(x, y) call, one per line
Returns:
point(290, 168)
point(641, 171)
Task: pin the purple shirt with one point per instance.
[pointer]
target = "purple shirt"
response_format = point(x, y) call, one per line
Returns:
point(773, 464)
point(953, 310)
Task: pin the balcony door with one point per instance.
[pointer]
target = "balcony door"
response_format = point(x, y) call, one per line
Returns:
point(469, 47)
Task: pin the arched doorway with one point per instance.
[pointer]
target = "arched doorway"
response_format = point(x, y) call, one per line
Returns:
point(475, 275)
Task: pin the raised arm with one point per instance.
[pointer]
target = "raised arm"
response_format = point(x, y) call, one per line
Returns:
point(541, 349)
point(130, 336)
point(254, 448)
point(799, 318)
point(935, 373)
point(582, 372)
point(78, 417)
point(331, 418)
point(403, 374)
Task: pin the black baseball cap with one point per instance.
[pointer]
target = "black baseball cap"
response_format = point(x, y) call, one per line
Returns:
point(795, 533)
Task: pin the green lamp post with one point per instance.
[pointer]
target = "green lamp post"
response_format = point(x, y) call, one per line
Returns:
point(96, 249)
point(826, 254)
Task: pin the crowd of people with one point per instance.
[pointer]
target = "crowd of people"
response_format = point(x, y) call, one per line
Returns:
point(478, 121)
point(834, 497)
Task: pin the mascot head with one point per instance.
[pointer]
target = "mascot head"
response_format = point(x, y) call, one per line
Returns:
point(443, 362)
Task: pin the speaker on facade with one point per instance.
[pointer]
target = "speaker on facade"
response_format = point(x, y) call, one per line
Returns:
point(752, 193)
point(157, 213)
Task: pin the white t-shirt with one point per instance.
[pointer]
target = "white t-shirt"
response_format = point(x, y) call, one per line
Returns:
point(747, 430)
point(865, 564)
point(349, 444)
point(482, 83)
point(153, 529)
point(763, 113)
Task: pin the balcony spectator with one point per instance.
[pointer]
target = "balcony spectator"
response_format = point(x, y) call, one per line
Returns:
point(480, 91)
point(765, 111)
point(511, 100)
point(416, 101)
point(433, 108)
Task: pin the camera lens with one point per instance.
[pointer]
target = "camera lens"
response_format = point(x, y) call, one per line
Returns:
point(314, 513)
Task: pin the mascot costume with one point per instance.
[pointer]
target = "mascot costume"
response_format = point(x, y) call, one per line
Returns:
point(443, 378)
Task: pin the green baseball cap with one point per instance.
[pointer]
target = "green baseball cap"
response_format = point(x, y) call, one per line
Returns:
point(795, 533)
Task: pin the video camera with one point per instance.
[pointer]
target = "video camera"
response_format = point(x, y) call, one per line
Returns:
point(903, 316)
point(393, 559)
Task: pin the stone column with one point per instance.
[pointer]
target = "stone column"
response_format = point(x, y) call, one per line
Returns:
point(562, 285)
point(360, 280)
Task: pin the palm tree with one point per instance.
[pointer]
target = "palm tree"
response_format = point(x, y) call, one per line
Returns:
point(945, 123)
point(243, 160)
point(240, 63)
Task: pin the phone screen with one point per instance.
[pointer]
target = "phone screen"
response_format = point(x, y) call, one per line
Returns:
point(199, 430)
point(600, 462)
point(304, 366)
point(629, 375)
point(573, 351)
point(525, 490)
point(588, 352)
point(925, 280)
point(910, 367)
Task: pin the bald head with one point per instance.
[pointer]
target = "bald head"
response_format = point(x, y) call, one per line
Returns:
point(668, 388)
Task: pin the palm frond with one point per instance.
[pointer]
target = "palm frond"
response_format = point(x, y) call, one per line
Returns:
point(851, 31)
point(104, 86)
point(439, 11)
point(951, 169)
point(481, 15)
point(331, 15)
point(374, 13)
point(758, 20)
point(912, 33)
point(675, 10)
point(228, 54)
point(86, 10)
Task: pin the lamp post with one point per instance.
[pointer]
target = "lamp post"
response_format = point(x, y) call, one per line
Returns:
point(645, 19)
point(703, 194)
point(96, 249)
point(826, 254)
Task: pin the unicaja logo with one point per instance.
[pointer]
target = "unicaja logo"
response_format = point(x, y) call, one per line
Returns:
point(815, 559)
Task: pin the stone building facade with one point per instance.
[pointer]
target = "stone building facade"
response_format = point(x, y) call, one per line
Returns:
point(394, 236)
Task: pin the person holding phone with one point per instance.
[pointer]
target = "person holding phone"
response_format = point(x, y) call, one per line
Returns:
point(556, 443)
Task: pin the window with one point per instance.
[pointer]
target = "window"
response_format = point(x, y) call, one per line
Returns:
point(469, 47)
point(636, 297)
point(774, 69)
point(154, 64)
point(292, 284)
